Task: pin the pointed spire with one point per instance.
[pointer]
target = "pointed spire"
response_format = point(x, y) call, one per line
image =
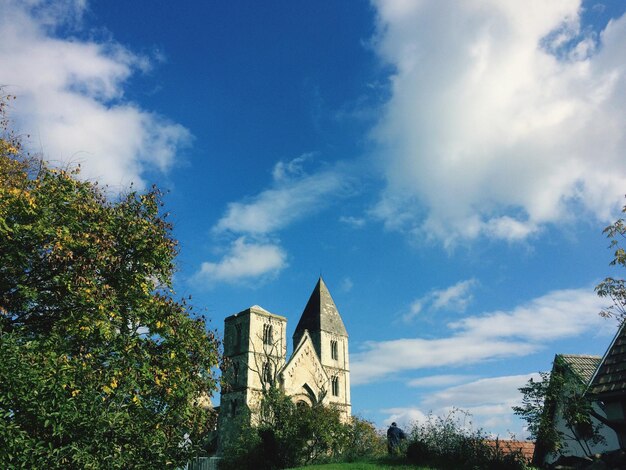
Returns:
point(320, 314)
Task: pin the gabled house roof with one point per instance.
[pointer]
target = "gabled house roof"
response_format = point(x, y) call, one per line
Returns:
point(582, 366)
point(610, 377)
point(320, 314)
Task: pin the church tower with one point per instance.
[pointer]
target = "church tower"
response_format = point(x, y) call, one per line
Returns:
point(255, 349)
point(255, 345)
point(330, 339)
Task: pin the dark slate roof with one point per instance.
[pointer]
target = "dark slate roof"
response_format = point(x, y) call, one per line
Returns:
point(320, 313)
point(582, 366)
point(610, 378)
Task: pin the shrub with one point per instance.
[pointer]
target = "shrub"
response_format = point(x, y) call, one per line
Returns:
point(363, 441)
point(283, 435)
point(449, 442)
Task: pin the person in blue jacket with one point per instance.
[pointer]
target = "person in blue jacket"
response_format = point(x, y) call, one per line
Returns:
point(394, 435)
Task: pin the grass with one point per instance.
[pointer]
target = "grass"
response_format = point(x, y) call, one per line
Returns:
point(383, 464)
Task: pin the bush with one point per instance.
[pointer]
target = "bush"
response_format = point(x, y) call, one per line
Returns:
point(283, 435)
point(363, 441)
point(449, 442)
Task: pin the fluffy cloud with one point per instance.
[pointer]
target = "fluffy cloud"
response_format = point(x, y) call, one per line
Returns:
point(504, 116)
point(293, 195)
point(379, 359)
point(456, 297)
point(483, 394)
point(488, 402)
point(405, 417)
point(244, 260)
point(71, 95)
point(494, 335)
point(437, 380)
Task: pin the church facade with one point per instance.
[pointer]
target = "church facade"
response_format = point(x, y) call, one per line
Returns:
point(255, 349)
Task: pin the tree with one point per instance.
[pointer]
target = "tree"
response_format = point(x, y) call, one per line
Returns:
point(284, 434)
point(558, 394)
point(615, 289)
point(101, 366)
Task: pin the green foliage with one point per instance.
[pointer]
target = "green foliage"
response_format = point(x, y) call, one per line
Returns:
point(101, 367)
point(363, 441)
point(286, 435)
point(449, 442)
point(539, 399)
point(560, 393)
point(615, 289)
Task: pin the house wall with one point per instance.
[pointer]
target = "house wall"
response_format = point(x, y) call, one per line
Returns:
point(573, 448)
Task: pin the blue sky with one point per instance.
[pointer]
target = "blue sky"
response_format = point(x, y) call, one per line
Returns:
point(447, 167)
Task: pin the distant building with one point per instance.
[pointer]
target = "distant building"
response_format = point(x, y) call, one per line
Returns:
point(255, 348)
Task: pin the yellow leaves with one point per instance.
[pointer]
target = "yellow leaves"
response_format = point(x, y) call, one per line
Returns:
point(75, 392)
point(172, 355)
point(136, 399)
point(106, 389)
point(113, 383)
point(159, 324)
point(157, 380)
point(21, 195)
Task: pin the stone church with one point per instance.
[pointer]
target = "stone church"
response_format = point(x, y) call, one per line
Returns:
point(255, 346)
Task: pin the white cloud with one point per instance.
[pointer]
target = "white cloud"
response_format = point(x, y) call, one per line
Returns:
point(380, 359)
point(404, 417)
point(71, 96)
point(503, 117)
point(438, 380)
point(488, 401)
point(481, 396)
point(355, 222)
point(293, 195)
point(244, 260)
point(493, 335)
point(456, 297)
point(346, 284)
point(558, 314)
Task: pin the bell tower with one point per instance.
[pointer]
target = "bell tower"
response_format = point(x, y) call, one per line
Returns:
point(329, 336)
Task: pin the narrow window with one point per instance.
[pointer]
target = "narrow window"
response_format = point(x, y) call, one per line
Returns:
point(267, 334)
point(237, 337)
point(235, 373)
point(267, 373)
point(333, 350)
point(335, 386)
point(233, 407)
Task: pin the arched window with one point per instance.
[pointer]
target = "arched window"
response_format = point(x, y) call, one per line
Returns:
point(267, 373)
point(237, 337)
point(335, 386)
point(235, 373)
point(267, 334)
point(333, 350)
